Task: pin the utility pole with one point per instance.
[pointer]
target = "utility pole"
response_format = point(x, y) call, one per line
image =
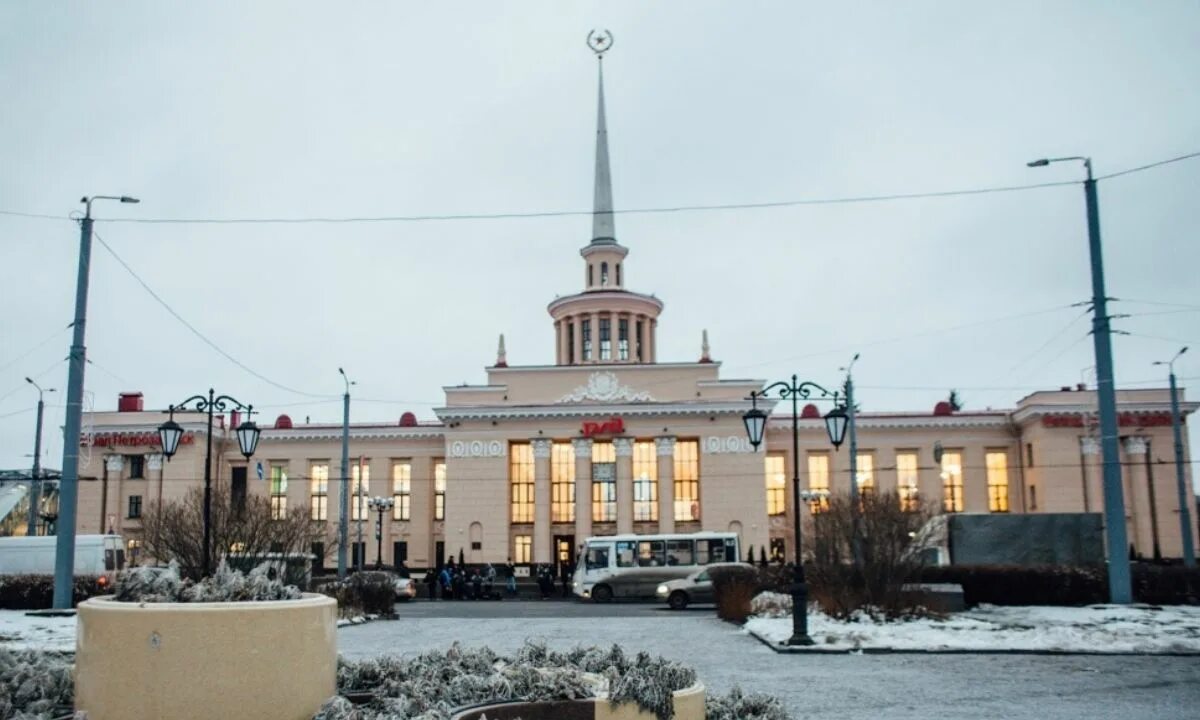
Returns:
point(68, 487)
point(344, 499)
point(360, 511)
point(1185, 515)
point(35, 482)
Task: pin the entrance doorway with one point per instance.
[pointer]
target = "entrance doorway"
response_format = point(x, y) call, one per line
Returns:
point(564, 551)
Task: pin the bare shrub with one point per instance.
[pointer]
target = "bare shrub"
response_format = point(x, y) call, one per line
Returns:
point(734, 587)
point(888, 558)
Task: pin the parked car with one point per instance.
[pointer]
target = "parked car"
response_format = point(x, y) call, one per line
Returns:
point(405, 589)
point(695, 588)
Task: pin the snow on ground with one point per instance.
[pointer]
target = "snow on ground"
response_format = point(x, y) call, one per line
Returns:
point(19, 631)
point(1093, 629)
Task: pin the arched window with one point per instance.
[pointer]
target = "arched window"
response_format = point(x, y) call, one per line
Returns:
point(618, 274)
point(603, 274)
point(589, 275)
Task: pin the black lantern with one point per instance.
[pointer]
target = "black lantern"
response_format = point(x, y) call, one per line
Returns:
point(247, 436)
point(756, 425)
point(836, 422)
point(169, 434)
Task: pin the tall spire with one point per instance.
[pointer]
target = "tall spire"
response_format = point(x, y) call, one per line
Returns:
point(603, 229)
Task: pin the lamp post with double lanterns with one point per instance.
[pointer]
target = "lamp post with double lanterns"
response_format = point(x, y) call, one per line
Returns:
point(170, 433)
point(1185, 520)
point(836, 421)
point(381, 505)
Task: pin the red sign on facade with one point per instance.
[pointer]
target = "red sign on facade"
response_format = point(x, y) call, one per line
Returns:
point(130, 439)
point(1126, 419)
point(612, 426)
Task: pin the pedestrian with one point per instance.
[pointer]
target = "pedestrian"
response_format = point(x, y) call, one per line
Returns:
point(545, 581)
point(446, 581)
point(402, 570)
point(510, 582)
point(476, 585)
point(431, 584)
point(565, 574)
point(489, 581)
point(459, 584)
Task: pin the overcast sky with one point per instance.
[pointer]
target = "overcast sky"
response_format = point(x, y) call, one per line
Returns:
point(250, 110)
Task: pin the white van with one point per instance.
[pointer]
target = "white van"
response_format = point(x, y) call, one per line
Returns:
point(94, 555)
point(631, 567)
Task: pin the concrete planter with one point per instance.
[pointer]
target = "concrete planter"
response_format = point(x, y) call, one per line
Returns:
point(689, 705)
point(265, 660)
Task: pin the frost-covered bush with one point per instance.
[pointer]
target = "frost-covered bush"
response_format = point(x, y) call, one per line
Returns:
point(34, 684)
point(736, 705)
point(771, 604)
point(363, 593)
point(36, 592)
point(163, 584)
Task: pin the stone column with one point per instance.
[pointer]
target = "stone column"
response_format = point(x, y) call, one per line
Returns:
point(653, 331)
point(577, 341)
point(558, 342)
point(665, 450)
point(583, 489)
point(114, 467)
point(1093, 486)
point(624, 448)
point(542, 552)
point(1137, 498)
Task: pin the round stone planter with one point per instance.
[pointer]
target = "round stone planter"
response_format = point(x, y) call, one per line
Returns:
point(271, 660)
point(689, 705)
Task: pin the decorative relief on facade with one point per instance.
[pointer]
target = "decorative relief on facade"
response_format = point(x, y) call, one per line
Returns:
point(114, 463)
point(603, 386)
point(1089, 446)
point(624, 446)
point(154, 461)
point(1136, 445)
point(664, 446)
point(731, 444)
point(478, 449)
point(541, 448)
point(583, 448)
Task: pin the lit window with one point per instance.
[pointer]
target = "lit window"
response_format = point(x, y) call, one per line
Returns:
point(562, 482)
point(952, 482)
point(906, 481)
point(135, 551)
point(866, 473)
point(776, 485)
point(605, 339)
point(604, 482)
point(521, 479)
point(439, 490)
point(360, 492)
point(401, 489)
point(997, 480)
point(622, 337)
point(645, 481)
point(523, 549)
point(319, 483)
point(818, 481)
point(586, 336)
point(687, 480)
point(279, 482)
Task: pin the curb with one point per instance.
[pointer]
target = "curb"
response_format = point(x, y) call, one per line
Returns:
point(788, 650)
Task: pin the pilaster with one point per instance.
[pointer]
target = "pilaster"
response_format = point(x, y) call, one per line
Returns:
point(624, 451)
point(542, 550)
point(583, 488)
point(665, 450)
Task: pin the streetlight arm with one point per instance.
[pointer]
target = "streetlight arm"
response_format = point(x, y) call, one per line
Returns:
point(803, 390)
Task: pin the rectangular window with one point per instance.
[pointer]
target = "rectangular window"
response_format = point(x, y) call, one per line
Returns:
point(623, 339)
point(1029, 454)
point(640, 351)
point(586, 332)
point(135, 552)
point(135, 506)
point(279, 482)
point(570, 343)
point(681, 552)
point(645, 481)
point(439, 490)
point(866, 473)
point(776, 485)
point(818, 481)
point(319, 491)
point(360, 492)
point(562, 482)
point(401, 489)
point(604, 482)
point(523, 549)
point(651, 553)
point(605, 339)
point(906, 481)
point(687, 480)
point(997, 480)
point(521, 479)
point(952, 482)
point(137, 466)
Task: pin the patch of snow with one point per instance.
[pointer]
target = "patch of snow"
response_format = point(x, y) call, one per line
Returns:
point(19, 631)
point(1093, 629)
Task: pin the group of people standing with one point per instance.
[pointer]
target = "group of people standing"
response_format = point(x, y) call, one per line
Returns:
point(458, 582)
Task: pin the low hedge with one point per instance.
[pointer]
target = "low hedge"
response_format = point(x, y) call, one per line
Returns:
point(36, 592)
point(363, 593)
point(1064, 585)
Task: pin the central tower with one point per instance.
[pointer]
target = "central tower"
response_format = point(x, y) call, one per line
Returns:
point(604, 324)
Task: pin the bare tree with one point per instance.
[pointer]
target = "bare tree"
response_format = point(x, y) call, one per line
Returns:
point(174, 530)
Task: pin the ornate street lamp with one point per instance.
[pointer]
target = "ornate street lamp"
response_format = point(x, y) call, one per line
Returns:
point(381, 505)
point(836, 422)
point(170, 433)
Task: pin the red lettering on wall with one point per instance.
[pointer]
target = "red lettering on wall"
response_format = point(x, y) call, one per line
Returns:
point(612, 426)
point(129, 440)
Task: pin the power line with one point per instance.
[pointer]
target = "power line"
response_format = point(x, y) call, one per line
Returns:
point(35, 348)
point(1140, 168)
point(199, 334)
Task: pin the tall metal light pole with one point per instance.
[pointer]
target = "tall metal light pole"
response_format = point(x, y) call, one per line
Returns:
point(381, 505)
point(344, 498)
point(851, 412)
point(68, 487)
point(171, 432)
point(35, 482)
point(1120, 589)
point(756, 425)
point(1185, 516)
